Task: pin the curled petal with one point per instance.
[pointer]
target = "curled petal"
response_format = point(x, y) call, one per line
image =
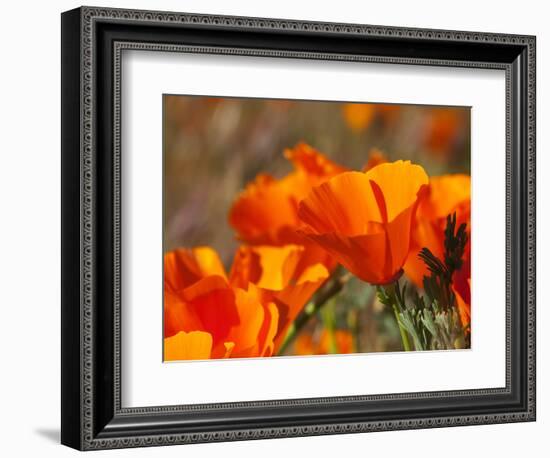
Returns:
point(244, 314)
point(446, 195)
point(254, 334)
point(292, 299)
point(251, 319)
point(286, 276)
point(400, 183)
point(346, 205)
point(177, 315)
point(278, 265)
point(269, 331)
point(266, 212)
point(183, 267)
point(311, 161)
point(246, 267)
point(364, 220)
point(209, 305)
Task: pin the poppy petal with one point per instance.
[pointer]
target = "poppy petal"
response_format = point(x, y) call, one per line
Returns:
point(364, 220)
point(269, 330)
point(446, 193)
point(329, 208)
point(211, 302)
point(266, 212)
point(262, 210)
point(400, 183)
point(185, 346)
point(183, 267)
point(315, 163)
point(251, 318)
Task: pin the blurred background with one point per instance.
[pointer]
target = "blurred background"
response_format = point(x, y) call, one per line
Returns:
point(214, 146)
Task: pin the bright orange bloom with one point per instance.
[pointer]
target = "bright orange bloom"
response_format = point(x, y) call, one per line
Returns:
point(183, 268)
point(243, 313)
point(446, 195)
point(266, 212)
point(341, 342)
point(237, 322)
point(364, 220)
point(282, 276)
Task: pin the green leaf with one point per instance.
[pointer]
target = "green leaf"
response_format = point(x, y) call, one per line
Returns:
point(432, 321)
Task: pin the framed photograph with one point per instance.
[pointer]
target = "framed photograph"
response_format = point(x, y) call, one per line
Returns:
point(276, 228)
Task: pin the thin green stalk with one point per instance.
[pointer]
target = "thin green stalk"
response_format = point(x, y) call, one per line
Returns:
point(331, 289)
point(402, 330)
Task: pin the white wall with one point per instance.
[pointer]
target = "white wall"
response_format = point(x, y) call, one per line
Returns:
point(30, 214)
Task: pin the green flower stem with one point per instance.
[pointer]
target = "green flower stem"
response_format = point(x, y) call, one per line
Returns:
point(402, 331)
point(331, 289)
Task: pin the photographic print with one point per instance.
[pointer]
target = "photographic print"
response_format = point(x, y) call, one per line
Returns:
point(296, 228)
point(246, 198)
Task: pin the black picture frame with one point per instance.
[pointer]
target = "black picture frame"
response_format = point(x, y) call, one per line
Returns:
point(92, 42)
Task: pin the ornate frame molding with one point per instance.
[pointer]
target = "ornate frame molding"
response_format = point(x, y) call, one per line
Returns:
point(84, 23)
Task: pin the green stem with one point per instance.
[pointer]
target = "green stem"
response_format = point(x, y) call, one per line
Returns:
point(402, 330)
point(331, 289)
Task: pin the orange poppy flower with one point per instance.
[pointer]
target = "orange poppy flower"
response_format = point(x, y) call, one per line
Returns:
point(266, 212)
point(364, 220)
point(282, 276)
point(242, 313)
point(341, 342)
point(219, 321)
point(446, 195)
point(183, 268)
